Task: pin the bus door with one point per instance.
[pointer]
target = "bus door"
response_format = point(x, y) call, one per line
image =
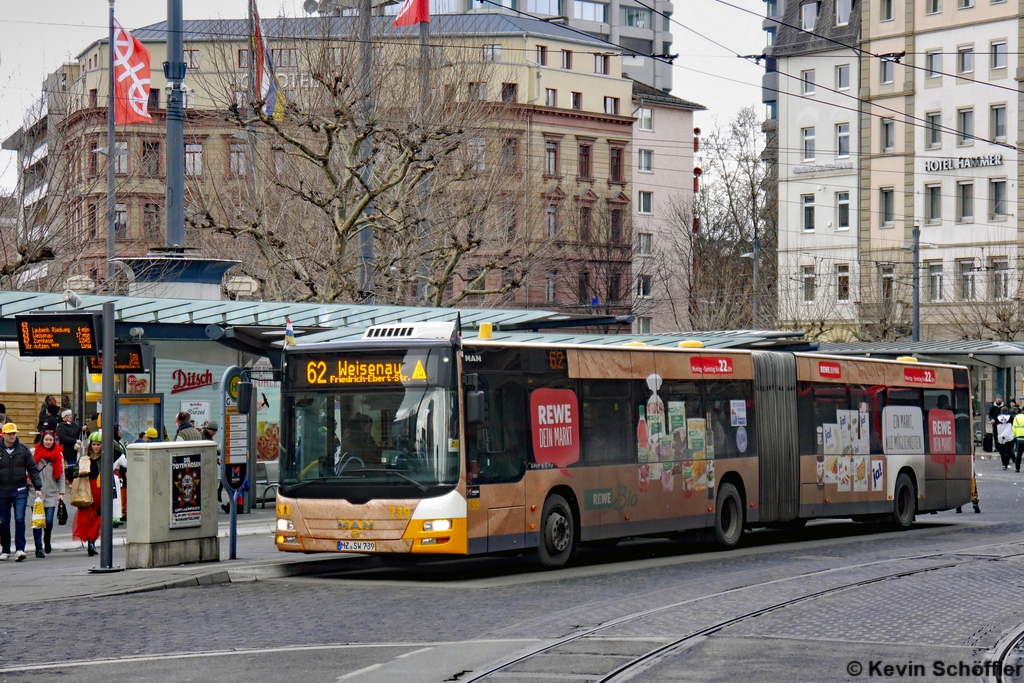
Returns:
point(497, 450)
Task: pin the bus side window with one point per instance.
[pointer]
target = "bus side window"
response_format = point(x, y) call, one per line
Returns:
point(608, 422)
point(496, 450)
point(935, 399)
point(962, 413)
point(721, 395)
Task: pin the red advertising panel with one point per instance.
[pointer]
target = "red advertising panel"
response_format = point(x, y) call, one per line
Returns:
point(556, 427)
point(711, 365)
point(830, 369)
point(941, 436)
point(919, 375)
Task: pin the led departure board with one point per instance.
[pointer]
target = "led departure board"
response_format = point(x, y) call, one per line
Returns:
point(356, 370)
point(58, 334)
point(127, 358)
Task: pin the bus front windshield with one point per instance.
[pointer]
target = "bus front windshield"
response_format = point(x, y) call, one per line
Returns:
point(397, 442)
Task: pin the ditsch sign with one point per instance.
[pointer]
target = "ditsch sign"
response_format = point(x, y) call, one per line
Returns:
point(556, 427)
point(187, 381)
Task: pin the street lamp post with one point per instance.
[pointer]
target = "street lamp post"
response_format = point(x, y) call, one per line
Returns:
point(755, 255)
point(916, 301)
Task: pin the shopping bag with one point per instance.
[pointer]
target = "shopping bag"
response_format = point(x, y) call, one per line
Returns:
point(62, 513)
point(38, 515)
point(81, 492)
point(84, 467)
point(116, 511)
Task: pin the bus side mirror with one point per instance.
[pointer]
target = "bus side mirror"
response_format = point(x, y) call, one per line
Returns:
point(244, 397)
point(474, 407)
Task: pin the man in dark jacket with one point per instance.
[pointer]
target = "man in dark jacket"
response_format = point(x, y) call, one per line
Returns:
point(186, 432)
point(68, 435)
point(17, 466)
point(993, 419)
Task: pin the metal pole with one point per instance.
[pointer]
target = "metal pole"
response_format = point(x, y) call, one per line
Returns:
point(916, 305)
point(174, 71)
point(250, 436)
point(424, 265)
point(757, 257)
point(233, 535)
point(111, 158)
point(365, 241)
point(109, 434)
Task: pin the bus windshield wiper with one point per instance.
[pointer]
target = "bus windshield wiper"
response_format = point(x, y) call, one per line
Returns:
point(412, 481)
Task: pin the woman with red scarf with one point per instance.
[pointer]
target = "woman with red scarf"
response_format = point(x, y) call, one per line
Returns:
point(86, 526)
point(49, 457)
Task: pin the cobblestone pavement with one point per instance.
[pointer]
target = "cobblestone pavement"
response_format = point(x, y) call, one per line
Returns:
point(442, 621)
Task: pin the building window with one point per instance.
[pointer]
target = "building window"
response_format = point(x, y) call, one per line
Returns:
point(634, 17)
point(552, 221)
point(645, 163)
point(645, 118)
point(965, 271)
point(551, 158)
point(151, 223)
point(935, 282)
point(645, 241)
point(478, 91)
point(842, 282)
point(585, 161)
point(476, 154)
point(583, 287)
point(91, 220)
point(997, 199)
point(965, 202)
point(192, 59)
point(285, 58)
point(964, 4)
point(509, 92)
point(615, 224)
point(933, 63)
point(643, 325)
point(151, 158)
point(154, 99)
point(888, 282)
point(808, 284)
point(771, 110)
point(94, 97)
point(808, 202)
point(997, 118)
point(614, 287)
point(932, 6)
point(590, 11)
point(601, 64)
point(645, 200)
point(577, 101)
point(842, 210)
point(492, 53)
point(769, 36)
point(567, 59)
point(888, 206)
point(998, 54)
point(611, 106)
point(888, 68)
point(510, 154)
point(808, 137)
point(121, 157)
point(1000, 285)
point(842, 140)
point(885, 8)
point(194, 159)
point(808, 15)
point(807, 78)
point(643, 286)
point(121, 221)
point(238, 160)
point(243, 59)
point(933, 203)
point(771, 8)
point(965, 126)
point(550, 281)
point(888, 135)
point(550, 97)
point(934, 123)
point(549, 7)
point(586, 220)
point(843, 77)
point(615, 165)
point(843, 11)
point(965, 60)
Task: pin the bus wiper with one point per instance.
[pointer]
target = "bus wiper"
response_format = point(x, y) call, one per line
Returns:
point(412, 481)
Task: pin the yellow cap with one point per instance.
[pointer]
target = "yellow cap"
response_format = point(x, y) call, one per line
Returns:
point(10, 428)
point(486, 331)
point(151, 433)
point(691, 344)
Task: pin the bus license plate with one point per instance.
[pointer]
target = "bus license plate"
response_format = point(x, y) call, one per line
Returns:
point(363, 546)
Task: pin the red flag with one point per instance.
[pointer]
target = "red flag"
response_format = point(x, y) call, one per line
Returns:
point(131, 78)
point(413, 12)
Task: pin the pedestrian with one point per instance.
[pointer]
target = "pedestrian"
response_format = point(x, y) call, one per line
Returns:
point(69, 436)
point(50, 422)
point(1014, 408)
point(1006, 438)
point(86, 526)
point(186, 432)
point(209, 433)
point(49, 459)
point(1018, 433)
point(993, 416)
point(48, 401)
point(147, 436)
point(16, 466)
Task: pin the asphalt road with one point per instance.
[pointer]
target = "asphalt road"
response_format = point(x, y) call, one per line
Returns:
point(812, 605)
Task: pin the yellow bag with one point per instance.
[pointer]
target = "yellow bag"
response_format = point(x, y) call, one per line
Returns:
point(81, 492)
point(38, 515)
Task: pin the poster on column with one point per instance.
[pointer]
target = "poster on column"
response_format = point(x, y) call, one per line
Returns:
point(186, 491)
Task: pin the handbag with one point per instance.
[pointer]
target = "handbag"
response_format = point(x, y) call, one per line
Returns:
point(38, 515)
point(81, 492)
point(62, 513)
point(84, 466)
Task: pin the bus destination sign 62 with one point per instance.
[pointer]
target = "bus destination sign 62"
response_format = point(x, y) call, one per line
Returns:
point(354, 372)
point(64, 334)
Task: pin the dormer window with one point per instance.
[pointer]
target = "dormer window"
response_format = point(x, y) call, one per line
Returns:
point(808, 15)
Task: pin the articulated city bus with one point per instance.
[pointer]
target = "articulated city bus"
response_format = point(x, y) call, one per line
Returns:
point(414, 441)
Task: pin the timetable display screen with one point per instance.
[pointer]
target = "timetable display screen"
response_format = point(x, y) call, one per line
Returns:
point(373, 369)
point(70, 334)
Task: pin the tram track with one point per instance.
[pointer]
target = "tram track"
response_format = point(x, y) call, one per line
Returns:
point(635, 664)
point(1003, 649)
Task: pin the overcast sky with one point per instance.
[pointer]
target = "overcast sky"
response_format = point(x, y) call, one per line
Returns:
point(36, 39)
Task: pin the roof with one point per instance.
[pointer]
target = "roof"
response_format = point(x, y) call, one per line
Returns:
point(1000, 354)
point(642, 91)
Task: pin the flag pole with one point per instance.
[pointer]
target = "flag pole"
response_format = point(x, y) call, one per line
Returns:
point(424, 228)
point(111, 154)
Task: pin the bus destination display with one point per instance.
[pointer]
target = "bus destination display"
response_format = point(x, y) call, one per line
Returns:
point(71, 334)
point(127, 358)
point(358, 372)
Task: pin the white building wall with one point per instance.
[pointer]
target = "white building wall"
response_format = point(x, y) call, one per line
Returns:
point(36, 374)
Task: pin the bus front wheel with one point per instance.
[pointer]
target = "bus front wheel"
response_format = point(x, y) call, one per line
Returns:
point(558, 532)
point(728, 516)
point(904, 500)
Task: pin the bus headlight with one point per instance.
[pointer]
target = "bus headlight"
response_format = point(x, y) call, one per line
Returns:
point(437, 525)
point(285, 525)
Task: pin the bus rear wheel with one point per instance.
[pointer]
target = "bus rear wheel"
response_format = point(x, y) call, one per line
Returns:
point(904, 502)
point(558, 532)
point(728, 516)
